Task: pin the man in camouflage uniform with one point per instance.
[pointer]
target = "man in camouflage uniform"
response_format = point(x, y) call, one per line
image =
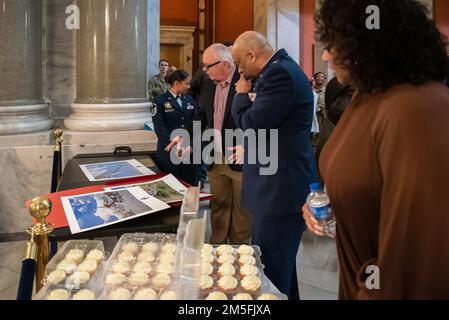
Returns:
point(157, 84)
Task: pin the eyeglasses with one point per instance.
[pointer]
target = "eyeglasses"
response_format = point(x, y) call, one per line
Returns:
point(207, 67)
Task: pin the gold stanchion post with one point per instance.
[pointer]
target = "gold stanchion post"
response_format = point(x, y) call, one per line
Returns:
point(40, 208)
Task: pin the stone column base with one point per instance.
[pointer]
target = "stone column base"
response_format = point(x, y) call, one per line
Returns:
point(108, 117)
point(24, 119)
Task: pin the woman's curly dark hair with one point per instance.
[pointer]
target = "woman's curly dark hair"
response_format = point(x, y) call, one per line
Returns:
point(408, 48)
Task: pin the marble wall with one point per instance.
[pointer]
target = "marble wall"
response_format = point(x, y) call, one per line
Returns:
point(278, 20)
point(26, 173)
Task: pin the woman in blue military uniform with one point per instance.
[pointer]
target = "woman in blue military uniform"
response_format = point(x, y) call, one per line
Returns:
point(175, 110)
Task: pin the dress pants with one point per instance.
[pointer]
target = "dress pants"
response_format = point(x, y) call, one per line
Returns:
point(278, 237)
point(230, 222)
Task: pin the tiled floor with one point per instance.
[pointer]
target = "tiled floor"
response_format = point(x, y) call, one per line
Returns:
point(316, 262)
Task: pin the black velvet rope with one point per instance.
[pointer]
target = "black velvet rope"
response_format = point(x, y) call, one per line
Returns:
point(25, 290)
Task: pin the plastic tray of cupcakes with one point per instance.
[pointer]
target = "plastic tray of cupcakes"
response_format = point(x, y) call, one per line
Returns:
point(234, 273)
point(141, 267)
point(73, 273)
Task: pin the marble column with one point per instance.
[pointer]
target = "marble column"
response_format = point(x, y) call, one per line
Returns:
point(154, 37)
point(22, 108)
point(111, 67)
point(60, 59)
point(273, 17)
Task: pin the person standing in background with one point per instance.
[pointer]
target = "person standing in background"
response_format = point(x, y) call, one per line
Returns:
point(318, 83)
point(158, 85)
point(319, 87)
point(171, 69)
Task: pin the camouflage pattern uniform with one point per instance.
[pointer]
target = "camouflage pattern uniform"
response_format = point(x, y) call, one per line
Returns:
point(157, 86)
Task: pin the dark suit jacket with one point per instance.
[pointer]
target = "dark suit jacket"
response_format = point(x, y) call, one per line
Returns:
point(284, 102)
point(206, 111)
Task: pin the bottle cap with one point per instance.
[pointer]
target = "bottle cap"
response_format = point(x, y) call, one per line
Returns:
point(315, 187)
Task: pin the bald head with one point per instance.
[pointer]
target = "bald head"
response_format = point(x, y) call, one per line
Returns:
point(252, 41)
point(251, 51)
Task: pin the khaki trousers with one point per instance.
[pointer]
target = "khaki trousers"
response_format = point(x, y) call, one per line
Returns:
point(230, 222)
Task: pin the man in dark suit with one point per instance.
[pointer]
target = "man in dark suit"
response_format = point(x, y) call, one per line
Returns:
point(230, 222)
point(274, 93)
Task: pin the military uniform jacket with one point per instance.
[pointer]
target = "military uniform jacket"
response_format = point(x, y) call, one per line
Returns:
point(281, 99)
point(171, 116)
point(157, 86)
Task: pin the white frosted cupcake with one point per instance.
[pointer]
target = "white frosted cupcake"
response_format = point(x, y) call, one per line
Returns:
point(58, 294)
point(146, 257)
point(206, 269)
point(168, 295)
point(165, 268)
point(268, 296)
point(120, 294)
point(68, 266)
point(227, 283)
point(56, 277)
point(78, 279)
point(88, 265)
point(168, 248)
point(139, 279)
point(150, 247)
point(207, 249)
point(248, 270)
point(145, 294)
point(217, 295)
point(115, 279)
point(245, 259)
point(242, 296)
point(207, 258)
point(161, 280)
point(166, 258)
point(226, 270)
point(245, 250)
point(131, 247)
point(76, 255)
point(96, 255)
point(120, 267)
point(226, 259)
point(206, 282)
point(225, 249)
point(142, 267)
point(251, 283)
point(84, 294)
point(126, 257)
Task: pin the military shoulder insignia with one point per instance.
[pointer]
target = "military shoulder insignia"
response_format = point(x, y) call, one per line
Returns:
point(168, 105)
point(153, 109)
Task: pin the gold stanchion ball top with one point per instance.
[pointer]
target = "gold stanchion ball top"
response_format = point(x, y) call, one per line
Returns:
point(58, 133)
point(40, 208)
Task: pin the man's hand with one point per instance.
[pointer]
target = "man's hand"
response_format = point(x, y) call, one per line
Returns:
point(243, 85)
point(237, 156)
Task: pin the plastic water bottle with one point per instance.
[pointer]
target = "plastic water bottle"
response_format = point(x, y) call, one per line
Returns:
point(319, 204)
